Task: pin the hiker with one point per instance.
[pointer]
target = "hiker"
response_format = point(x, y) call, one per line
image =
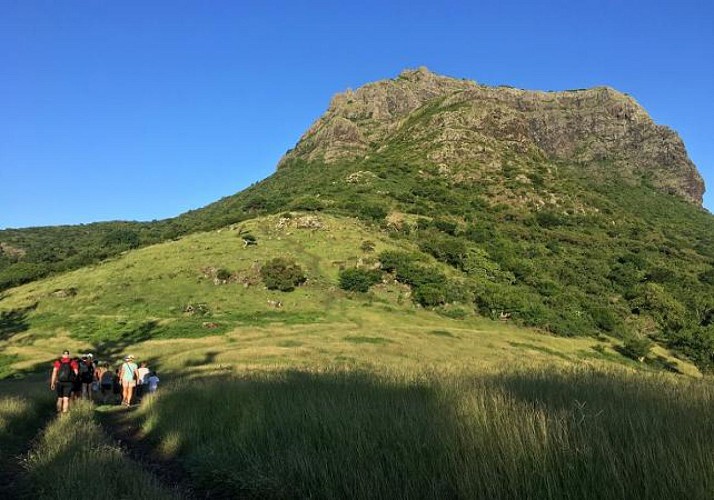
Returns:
point(116, 386)
point(106, 381)
point(128, 375)
point(77, 381)
point(153, 382)
point(64, 372)
point(143, 380)
point(96, 383)
point(86, 375)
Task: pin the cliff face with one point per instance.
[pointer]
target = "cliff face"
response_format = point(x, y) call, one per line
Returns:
point(470, 130)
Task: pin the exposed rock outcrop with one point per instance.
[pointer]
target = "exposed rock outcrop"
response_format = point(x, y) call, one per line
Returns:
point(466, 129)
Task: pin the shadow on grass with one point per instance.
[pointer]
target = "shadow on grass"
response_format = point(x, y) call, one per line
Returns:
point(117, 348)
point(547, 434)
point(297, 435)
point(24, 408)
point(208, 358)
point(15, 321)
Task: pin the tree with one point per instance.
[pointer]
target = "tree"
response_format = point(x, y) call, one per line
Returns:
point(637, 347)
point(282, 274)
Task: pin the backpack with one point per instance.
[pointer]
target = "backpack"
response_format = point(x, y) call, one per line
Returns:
point(86, 374)
point(65, 372)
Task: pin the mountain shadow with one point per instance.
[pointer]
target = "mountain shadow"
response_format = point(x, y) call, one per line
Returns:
point(358, 435)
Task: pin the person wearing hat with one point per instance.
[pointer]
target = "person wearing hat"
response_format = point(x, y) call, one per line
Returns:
point(64, 372)
point(128, 374)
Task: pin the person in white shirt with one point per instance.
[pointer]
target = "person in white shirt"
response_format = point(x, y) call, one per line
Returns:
point(143, 380)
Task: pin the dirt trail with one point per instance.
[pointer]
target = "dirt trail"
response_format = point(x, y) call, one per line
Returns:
point(169, 473)
point(119, 429)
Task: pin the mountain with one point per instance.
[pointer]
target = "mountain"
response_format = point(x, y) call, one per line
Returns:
point(471, 131)
point(571, 212)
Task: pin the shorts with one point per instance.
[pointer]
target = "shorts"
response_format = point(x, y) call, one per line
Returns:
point(64, 389)
point(129, 383)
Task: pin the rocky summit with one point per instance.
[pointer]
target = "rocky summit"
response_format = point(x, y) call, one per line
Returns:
point(472, 131)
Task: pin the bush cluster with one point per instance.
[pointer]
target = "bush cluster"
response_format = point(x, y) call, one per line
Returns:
point(430, 287)
point(358, 279)
point(282, 274)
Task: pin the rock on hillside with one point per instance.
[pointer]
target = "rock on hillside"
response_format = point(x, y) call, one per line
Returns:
point(465, 127)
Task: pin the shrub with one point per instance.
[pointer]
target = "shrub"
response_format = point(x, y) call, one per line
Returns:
point(446, 226)
point(418, 275)
point(248, 239)
point(636, 347)
point(282, 274)
point(430, 295)
point(664, 308)
point(121, 237)
point(21, 272)
point(223, 274)
point(372, 211)
point(391, 260)
point(359, 280)
point(453, 313)
point(307, 203)
point(367, 246)
point(604, 318)
point(548, 219)
point(447, 249)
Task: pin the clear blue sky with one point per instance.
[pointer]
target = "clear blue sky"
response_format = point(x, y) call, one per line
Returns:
point(141, 110)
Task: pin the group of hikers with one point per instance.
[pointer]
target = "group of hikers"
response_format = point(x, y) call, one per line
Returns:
point(83, 378)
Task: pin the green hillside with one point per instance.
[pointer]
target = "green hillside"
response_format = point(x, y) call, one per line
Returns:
point(571, 212)
point(201, 300)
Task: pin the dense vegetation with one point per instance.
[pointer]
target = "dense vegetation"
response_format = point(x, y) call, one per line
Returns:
point(612, 258)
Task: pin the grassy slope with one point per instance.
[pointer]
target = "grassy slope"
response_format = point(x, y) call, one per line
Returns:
point(136, 302)
point(352, 395)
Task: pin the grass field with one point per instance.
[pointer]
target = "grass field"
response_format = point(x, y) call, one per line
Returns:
point(525, 433)
point(337, 394)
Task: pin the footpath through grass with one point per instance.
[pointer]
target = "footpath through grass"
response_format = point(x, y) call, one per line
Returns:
point(544, 433)
point(73, 455)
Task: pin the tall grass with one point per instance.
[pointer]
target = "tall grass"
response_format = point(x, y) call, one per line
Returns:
point(18, 422)
point(522, 434)
point(24, 407)
point(73, 455)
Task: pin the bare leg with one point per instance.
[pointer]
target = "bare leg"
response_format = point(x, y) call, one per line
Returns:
point(127, 393)
point(65, 405)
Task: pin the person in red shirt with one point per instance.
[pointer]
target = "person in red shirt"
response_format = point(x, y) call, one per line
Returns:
point(64, 372)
